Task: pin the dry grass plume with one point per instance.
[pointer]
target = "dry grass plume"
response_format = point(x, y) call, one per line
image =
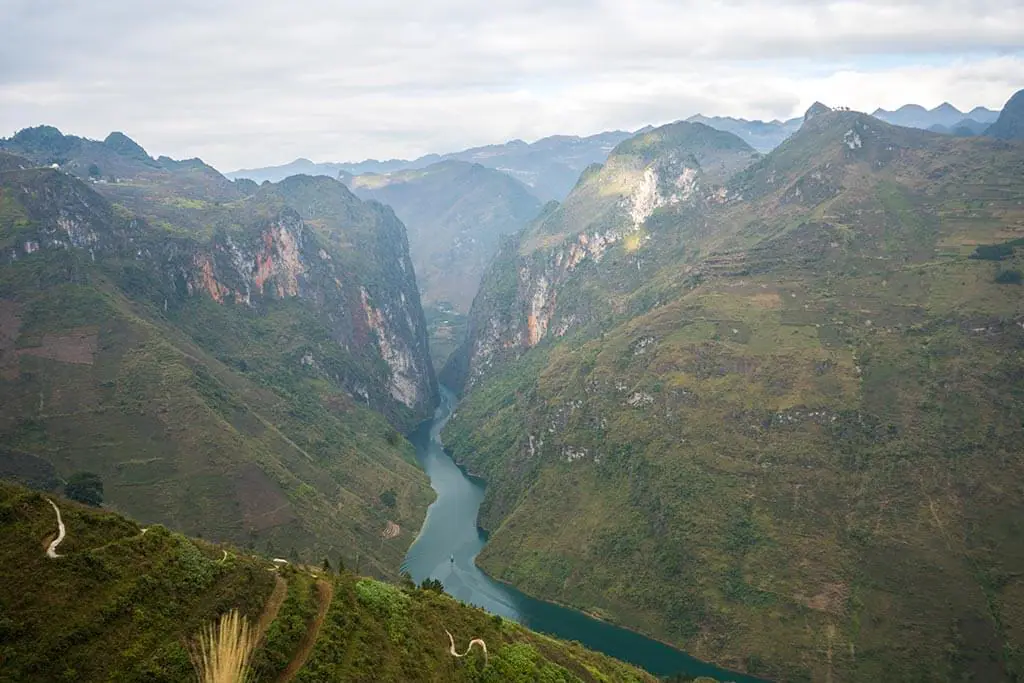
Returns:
point(224, 650)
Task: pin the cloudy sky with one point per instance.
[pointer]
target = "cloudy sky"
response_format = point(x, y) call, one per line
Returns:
point(262, 82)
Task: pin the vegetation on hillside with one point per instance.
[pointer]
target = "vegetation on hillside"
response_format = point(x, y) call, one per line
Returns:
point(125, 605)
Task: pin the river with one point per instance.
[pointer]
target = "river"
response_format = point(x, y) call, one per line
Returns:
point(450, 531)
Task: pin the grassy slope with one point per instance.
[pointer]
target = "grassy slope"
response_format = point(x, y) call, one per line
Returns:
point(121, 605)
point(802, 456)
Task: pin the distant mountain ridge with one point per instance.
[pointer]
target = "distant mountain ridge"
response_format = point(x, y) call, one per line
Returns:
point(764, 136)
point(945, 115)
point(549, 166)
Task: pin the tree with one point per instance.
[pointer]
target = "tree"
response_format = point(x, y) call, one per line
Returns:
point(341, 564)
point(327, 566)
point(432, 585)
point(389, 498)
point(94, 171)
point(407, 581)
point(1009, 277)
point(85, 487)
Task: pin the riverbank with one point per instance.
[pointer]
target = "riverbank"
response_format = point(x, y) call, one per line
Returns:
point(449, 542)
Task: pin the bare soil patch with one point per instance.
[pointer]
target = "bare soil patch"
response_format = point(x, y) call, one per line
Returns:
point(263, 504)
point(78, 346)
point(10, 328)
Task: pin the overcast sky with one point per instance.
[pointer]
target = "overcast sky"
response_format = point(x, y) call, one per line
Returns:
point(263, 82)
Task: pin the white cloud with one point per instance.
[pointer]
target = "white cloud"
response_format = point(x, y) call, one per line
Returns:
point(258, 82)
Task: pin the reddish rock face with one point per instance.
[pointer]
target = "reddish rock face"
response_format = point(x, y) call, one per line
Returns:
point(348, 264)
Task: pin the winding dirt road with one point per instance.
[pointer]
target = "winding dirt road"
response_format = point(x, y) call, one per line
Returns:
point(325, 592)
point(273, 606)
point(475, 641)
point(51, 551)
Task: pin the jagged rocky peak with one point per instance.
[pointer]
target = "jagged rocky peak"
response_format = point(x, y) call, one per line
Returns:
point(125, 146)
point(816, 109)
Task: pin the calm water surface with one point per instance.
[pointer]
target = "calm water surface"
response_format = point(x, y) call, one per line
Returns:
point(450, 530)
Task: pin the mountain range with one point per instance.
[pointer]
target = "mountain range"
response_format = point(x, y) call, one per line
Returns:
point(766, 407)
point(753, 389)
point(945, 116)
point(549, 166)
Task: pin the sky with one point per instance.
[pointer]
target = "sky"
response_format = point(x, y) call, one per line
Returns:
point(261, 82)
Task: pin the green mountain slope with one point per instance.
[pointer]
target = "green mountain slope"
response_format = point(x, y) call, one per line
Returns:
point(245, 382)
point(778, 424)
point(455, 213)
point(122, 604)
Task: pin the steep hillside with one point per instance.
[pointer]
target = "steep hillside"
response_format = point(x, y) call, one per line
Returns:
point(122, 603)
point(237, 382)
point(455, 213)
point(1010, 124)
point(778, 424)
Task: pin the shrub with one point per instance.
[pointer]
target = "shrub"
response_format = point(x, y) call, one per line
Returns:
point(85, 487)
point(387, 602)
point(1009, 277)
point(434, 585)
point(389, 498)
point(996, 252)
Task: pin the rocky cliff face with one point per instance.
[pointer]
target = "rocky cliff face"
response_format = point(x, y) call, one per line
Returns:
point(374, 314)
point(670, 171)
